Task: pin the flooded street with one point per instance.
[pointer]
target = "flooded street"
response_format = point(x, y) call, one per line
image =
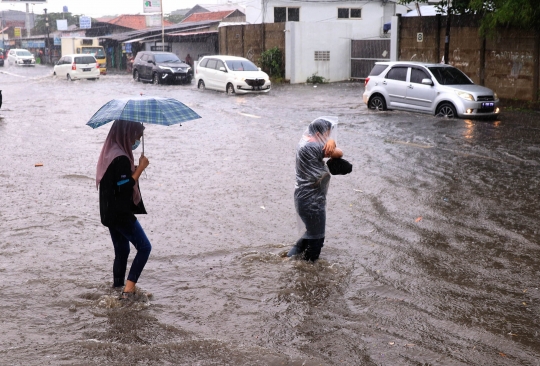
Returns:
point(432, 243)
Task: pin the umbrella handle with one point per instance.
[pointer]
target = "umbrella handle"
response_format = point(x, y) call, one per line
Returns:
point(142, 138)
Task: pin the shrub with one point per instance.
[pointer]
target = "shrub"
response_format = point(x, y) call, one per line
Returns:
point(272, 62)
point(316, 79)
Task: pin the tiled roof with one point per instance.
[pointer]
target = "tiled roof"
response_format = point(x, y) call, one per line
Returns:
point(136, 22)
point(215, 15)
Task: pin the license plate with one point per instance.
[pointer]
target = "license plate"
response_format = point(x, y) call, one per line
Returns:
point(85, 69)
point(488, 105)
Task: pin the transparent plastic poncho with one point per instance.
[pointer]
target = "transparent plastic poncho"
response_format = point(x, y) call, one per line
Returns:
point(313, 177)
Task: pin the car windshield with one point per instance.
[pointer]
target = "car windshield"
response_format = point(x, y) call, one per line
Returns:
point(241, 65)
point(23, 53)
point(167, 57)
point(95, 51)
point(450, 76)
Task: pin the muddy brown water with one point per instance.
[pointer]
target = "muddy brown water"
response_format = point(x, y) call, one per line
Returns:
point(431, 256)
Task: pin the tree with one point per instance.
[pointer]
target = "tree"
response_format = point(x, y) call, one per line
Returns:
point(41, 28)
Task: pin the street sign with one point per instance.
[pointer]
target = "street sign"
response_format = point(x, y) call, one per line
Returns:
point(85, 22)
point(151, 6)
point(17, 32)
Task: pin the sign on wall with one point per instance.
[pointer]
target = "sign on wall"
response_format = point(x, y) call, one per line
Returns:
point(85, 22)
point(17, 32)
point(151, 6)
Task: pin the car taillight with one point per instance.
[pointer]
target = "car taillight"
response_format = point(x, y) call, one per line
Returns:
point(73, 66)
point(365, 82)
point(97, 65)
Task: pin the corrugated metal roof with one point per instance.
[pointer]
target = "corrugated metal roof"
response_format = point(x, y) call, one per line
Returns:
point(176, 28)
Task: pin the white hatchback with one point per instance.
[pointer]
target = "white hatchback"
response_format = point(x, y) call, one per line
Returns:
point(79, 66)
point(231, 74)
point(21, 57)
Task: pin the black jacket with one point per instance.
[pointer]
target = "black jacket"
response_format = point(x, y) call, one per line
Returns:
point(116, 205)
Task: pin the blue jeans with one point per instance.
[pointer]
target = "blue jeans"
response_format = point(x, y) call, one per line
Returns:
point(121, 236)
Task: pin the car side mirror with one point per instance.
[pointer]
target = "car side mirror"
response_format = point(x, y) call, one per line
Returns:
point(150, 61)
point(222, 69)
point(427, 82)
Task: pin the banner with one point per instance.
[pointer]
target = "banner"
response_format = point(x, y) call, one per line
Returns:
point(17, 32)
point(153, 21)
point(61, 24)
point(152, 6)
point(85, 22)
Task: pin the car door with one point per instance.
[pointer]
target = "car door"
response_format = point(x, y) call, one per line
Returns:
point(221, 77)
point(395, 83)
point(420, 96)
point(60, 66)
point(143, 66)
point(211, 73)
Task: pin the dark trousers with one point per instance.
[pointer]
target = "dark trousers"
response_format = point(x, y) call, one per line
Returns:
point(308, 249)
point(121, 236)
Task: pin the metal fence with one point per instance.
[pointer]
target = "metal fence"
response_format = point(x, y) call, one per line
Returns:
point(364, 54)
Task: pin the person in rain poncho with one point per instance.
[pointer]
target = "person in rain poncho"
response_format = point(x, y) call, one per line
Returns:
point(120, 199)
point(312, 181)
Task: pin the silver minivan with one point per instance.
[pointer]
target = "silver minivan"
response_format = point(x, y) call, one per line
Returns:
point(436, 89)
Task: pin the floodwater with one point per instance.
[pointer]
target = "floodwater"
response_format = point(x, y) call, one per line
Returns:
point(431, 256)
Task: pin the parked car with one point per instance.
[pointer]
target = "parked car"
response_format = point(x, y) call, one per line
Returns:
point(78, 66)
point(231, 74)
point(429, 88)
point(160, 68)
point(1, 57)
point(22, 57)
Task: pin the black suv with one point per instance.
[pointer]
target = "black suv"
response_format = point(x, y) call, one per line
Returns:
point(161, 67)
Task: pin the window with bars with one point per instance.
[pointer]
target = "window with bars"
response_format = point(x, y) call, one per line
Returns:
point(349, 13)
point(322, 55)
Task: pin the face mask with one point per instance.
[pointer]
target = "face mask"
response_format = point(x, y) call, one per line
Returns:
point(136, 144)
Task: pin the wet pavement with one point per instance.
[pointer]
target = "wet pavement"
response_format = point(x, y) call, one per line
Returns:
point(431, 256)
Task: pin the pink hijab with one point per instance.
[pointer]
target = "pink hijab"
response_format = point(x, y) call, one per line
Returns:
point(118, 143)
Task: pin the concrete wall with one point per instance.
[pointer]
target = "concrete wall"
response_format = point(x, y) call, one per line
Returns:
point(507, 63)
point(303, 39)
point(374, 14)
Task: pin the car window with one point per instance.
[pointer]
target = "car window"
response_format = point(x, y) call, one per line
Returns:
point(211, 64)
point(96, 51)
point(85, 60)
point(450, 76)
point(144, 57)
point(68, 60)
point(220, 64)
point(417, 75)
point(166, 57)
point(377, 69)
point(397, 73)
point(23, 53)
point(203, 63)
point(241, 65)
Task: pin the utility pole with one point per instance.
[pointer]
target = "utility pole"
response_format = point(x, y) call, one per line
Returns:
point(47, 50)
point(27, 20)
point(447, 36)
point(162, 28)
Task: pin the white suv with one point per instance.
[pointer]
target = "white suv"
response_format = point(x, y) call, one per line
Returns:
point(22, 57)
point(429, 88)
point(79, 66)
point(231, 74)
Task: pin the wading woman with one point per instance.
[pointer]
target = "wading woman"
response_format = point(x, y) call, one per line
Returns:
point(312, 181)
point(120, 199)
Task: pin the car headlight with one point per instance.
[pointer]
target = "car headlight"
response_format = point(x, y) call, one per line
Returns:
point(464, 95)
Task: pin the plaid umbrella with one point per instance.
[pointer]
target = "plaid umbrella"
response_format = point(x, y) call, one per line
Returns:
point(155, 110)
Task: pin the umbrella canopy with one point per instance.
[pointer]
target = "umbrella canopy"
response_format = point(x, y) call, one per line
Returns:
point(154, 110)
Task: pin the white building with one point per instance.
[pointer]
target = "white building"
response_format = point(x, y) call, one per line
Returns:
point(319, 33)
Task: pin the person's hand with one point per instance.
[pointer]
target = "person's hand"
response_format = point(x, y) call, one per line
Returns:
point(329, 147)
point(143, 161)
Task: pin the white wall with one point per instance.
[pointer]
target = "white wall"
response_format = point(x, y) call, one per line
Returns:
point(181, 49)
point(303, 39)
point(374, 14)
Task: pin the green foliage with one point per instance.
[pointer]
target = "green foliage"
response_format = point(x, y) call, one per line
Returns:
point(174, 18)
point(272, 62)
point(316, 79)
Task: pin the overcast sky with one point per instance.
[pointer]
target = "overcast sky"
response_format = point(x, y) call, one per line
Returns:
point(98, 8)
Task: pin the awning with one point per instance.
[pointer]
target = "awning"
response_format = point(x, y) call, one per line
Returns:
point(192, 33)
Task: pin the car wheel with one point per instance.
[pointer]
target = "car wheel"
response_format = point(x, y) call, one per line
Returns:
point(69, 78)
point(155, 79)
point(136, 76)
point(230, 89)
point(446, 110)
point(54, 73)
point(377, 102)
point(201, 85)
